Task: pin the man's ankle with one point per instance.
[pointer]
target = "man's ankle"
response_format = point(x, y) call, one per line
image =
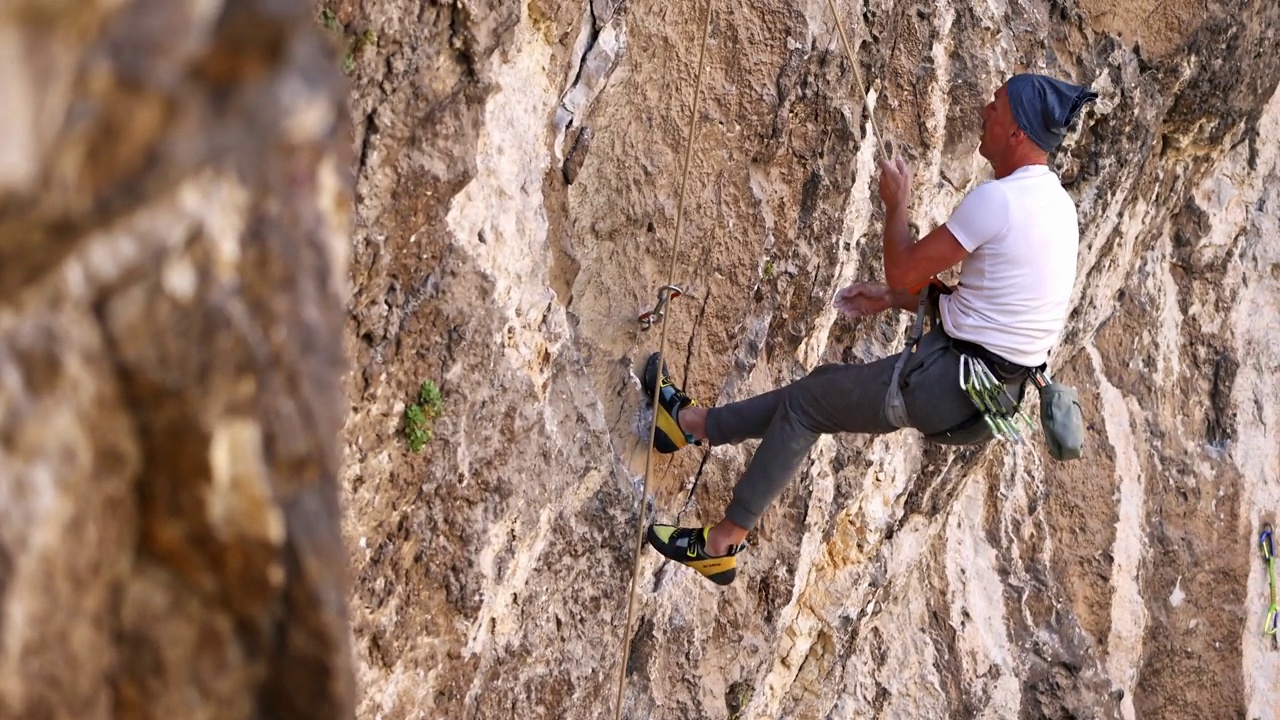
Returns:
point(719, 541)
point(692, 420)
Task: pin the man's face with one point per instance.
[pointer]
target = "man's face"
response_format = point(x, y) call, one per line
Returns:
point(998, 126)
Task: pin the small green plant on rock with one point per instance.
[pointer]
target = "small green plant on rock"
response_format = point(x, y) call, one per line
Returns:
point(350, 46)
point(419, 417)
point(328, 19)
point(368, 38)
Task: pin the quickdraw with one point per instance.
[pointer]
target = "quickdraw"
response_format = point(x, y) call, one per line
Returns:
point(989, 395)
point(666, 293)
point(1269, 625)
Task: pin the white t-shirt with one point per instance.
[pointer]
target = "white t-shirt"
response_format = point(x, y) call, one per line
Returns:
point(1022, 235)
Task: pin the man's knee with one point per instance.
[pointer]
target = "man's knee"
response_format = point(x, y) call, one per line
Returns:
point(806, 403)
point(825, 369)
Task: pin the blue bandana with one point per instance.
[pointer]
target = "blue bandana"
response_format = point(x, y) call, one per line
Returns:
point(1043, 107)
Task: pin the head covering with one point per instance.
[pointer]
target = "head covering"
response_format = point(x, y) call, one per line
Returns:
point(1043, 107)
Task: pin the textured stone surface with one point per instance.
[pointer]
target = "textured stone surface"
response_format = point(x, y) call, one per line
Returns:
point(174, 225)
point(893, 579)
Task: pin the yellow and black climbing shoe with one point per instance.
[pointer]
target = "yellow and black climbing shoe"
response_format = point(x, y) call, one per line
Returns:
point(668, 437)
point(689, 546)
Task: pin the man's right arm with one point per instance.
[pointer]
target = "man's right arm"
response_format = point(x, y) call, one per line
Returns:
point(909, 265)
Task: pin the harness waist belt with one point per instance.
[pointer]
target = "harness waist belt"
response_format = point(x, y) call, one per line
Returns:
point(1006, 371)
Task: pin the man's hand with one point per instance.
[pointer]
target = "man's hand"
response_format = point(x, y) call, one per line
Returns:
point(895, 184)
point(863, 299)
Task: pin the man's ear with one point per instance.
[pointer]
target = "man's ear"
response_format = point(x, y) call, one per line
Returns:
point(1018, 136)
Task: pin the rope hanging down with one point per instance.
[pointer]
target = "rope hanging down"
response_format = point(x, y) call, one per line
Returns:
point(857, 75)
point(662, 340)
point(662, 346)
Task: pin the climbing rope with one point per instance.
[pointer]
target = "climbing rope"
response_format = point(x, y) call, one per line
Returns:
point(857, 75)
point(662, 345)
point(648, 319)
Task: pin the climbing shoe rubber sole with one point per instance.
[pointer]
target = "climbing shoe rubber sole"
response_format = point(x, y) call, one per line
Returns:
point(688, 546)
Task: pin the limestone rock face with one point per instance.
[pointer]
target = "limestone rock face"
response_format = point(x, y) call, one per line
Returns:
point(174, 224)
point(518, 177)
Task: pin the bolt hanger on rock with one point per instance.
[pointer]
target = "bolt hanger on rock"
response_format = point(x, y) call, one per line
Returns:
point(666, 293)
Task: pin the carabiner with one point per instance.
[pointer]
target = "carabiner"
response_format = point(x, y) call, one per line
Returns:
point(665, 294)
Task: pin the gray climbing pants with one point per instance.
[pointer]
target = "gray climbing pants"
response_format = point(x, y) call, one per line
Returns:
point(842, 398)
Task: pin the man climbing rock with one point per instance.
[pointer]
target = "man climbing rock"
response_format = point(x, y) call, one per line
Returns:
point(1015, 238)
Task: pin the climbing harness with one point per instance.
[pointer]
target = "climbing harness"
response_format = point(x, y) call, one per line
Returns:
point(989, 395)
point(666, 293)
point(895, 406)
point(1269, 625)
point(984, 389)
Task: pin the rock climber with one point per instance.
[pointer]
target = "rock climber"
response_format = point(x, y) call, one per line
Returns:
point(1015, 238)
